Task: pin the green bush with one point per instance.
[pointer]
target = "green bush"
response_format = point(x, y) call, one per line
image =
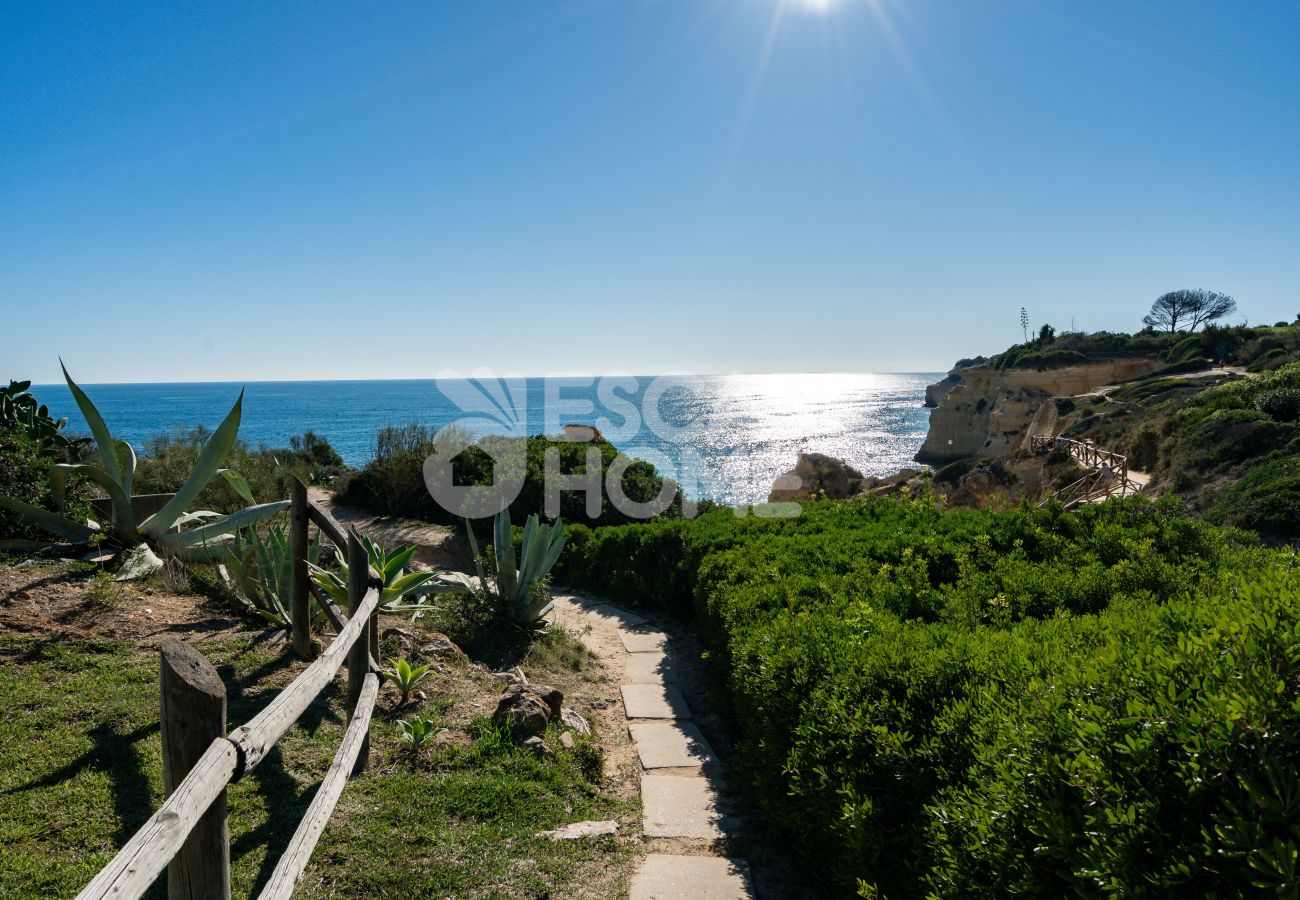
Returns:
point(1229, 436)
point(24, 467)
point(958, 702)
point(1266, 499)
point(393, 482)
point(169, 459)
point(1281, 404)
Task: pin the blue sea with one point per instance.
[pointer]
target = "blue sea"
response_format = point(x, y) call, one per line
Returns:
point(724, 437)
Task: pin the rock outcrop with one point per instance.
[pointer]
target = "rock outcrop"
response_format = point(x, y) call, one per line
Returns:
point(817, 475)
point(994, 412)
point(527, 708)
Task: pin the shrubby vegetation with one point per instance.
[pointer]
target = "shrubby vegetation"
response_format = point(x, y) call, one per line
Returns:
point(31, 440)
point(23, 469)
point(168, 460)
point(1050, 350)
point(392, 483)
point(974, 703)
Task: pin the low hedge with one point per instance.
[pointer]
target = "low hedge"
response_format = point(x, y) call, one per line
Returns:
point(958, 702)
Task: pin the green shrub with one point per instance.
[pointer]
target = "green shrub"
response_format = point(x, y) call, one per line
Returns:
point(393, 482)
point(1266, 499)
point(24, 467)
point(1282, 404)
point(1230, 436)
point(925, 697)
point(168, 460)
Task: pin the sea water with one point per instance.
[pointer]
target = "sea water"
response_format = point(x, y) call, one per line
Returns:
point(726, 437)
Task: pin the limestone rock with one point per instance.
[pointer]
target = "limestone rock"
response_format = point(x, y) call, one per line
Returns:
point(526, 714)
point(991, 411)
point(582, 829)
point(552, 697)
point(571, 717)
point(817, 475)
point(441, 645)
point(539, 748)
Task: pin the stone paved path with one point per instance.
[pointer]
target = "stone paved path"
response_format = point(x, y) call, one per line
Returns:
point(681, 788)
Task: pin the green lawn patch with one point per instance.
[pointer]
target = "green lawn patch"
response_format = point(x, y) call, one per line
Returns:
point(80, 771)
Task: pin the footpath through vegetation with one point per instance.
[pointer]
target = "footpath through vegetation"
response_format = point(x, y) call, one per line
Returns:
point(963, 702)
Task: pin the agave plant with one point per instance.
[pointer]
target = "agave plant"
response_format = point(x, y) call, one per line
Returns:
point(19, 410)
point(112, 468)
point(396, 584)
point(414, 732)
point(406, 677)
point(538, 552)
point(259, 571)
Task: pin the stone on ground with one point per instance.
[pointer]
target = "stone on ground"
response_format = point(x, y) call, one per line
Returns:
point(654, 701)
point(646, 668)
point(581, 830)
point(677, 806)
point(670, 745)
point(665, 877)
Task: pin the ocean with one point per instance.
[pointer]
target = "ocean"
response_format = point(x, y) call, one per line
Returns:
point(725, 437)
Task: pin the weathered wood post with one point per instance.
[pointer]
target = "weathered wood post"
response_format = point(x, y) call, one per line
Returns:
point(301, 612)
point(193, 716)
point(359, 654)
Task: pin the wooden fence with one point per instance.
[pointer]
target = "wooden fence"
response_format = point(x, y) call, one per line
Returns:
point(188, 836)
point(1109, 475)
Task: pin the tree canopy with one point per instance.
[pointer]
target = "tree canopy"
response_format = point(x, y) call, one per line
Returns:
point(1189, 309)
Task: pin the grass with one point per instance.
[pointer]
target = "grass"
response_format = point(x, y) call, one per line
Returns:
point(80, 771)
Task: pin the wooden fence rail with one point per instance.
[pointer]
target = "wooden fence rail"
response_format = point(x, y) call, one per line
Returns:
point(188, 834)
point(1110, 475)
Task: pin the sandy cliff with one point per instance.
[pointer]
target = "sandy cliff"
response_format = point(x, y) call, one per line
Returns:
point(991, 412)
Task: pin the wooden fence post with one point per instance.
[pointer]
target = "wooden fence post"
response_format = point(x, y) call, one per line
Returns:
point(193, 716)
point(301, 612)
point(359, 655)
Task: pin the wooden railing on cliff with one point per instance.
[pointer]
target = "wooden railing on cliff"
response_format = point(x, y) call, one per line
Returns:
point(188, 835)
point(1108, 475)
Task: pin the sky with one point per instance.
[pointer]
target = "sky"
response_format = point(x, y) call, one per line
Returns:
point(256, 191)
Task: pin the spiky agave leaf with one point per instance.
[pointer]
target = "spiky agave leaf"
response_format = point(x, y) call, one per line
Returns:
point(53, 522)
point(223, 527)
point(504, 551)
point(103, 438)
point(211, 457)
point(123, 515)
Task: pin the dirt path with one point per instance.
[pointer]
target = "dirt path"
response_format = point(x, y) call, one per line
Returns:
point(436, 545)
point(646, 728)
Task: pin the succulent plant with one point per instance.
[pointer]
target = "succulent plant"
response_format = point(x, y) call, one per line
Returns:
point(518, 589)
point(415, 732)
point(171, 530)
point(20, 411)
point(406, 677)
point(397, 584)
point(259, 571)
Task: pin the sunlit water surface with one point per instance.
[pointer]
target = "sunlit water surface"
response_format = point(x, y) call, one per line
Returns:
point(725, 437)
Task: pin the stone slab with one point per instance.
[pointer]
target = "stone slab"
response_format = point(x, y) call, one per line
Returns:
point(676, 806)
point(654, 701)
point(643, 641)
point(646, 668)
point(670, 745)
point(613, 614)
point(668, 877)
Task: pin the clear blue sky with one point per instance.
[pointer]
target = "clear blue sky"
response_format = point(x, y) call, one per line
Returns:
point(278, 190)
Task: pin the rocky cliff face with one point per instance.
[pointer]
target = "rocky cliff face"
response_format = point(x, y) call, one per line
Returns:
point(990, 412)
